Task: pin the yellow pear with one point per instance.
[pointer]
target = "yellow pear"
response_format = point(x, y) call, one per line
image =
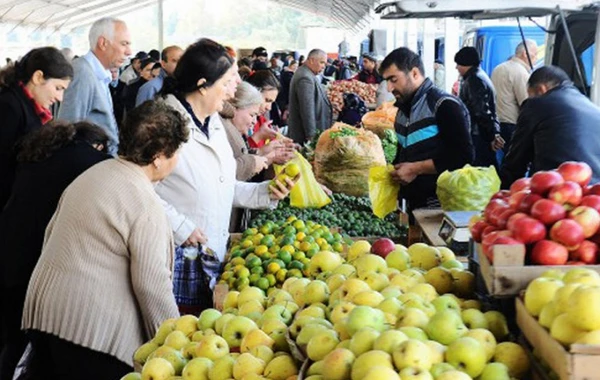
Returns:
point(231, 300)
point(188, 324)
point(315, 369)
point(337, 365)
point(366, 361)
point(256, 338)
point(321, 344)
point(368, 298)
point(222, 368)
point(157, 369)
point(381, 373)
point(264, 353)
point(142, 353)
point(245, 364)
point(281, 368)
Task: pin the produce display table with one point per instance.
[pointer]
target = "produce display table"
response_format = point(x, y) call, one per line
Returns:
point(428, 223)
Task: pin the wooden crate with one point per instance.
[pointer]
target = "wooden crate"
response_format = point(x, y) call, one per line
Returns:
point(509, 275)
point(581, 362)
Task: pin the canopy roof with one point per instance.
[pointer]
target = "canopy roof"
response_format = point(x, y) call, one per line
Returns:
point(70, 14)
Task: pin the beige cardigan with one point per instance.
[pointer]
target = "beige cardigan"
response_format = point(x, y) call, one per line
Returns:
point(103, 280)
point(243, 159)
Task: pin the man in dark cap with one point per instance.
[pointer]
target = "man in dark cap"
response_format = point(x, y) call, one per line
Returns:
point(477, 92)
point(259, 58)
point(132, 72)
point(369, 73)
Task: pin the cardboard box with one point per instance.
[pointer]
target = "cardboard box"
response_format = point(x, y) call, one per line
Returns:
point(580, 362)
point(509, 275)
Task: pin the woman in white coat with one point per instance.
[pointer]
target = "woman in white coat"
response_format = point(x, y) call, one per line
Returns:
point(202, 189)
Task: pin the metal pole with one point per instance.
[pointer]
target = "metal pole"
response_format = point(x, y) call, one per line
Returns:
point(160, 26)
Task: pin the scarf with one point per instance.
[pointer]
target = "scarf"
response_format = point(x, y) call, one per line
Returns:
point(44, 114)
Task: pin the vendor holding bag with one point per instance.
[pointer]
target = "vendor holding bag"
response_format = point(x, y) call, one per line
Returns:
point(202, 189)
point(432, 128)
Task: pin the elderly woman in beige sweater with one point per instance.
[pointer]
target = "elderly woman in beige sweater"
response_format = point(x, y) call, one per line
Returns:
point(103, 285)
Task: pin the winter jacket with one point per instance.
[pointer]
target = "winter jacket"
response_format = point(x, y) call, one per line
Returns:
point(477, 92)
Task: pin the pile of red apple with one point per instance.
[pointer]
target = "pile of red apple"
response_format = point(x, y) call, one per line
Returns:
point(556, 214)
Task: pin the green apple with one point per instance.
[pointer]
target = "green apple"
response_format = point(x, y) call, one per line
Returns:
point(539, 292)
point(474, 319)
point(222, 368)
point(441, 279)
point(446, 302)
point(446, 254)
point(391, 291)
point(426, 291)
point(565, 331)
point(411, 316)
point(486, 339)
point(278, 312)
point(247, 364)
point(352, 287)
point(514, 357)
point(368, 298)
point(438, 368)
point(341, 311)
point(403, 282)
point(250, 307)
point(311, 311)
point(335, 281)
point(309, 331)
point(412, 353)
point(467, 355)
point(264, 353)
point(207, 319)
point(157, 369)
point(251, 293)
point(464, 282)
point(280, 338)
point(188, 324)
point(445, 327)
point(368, 360)
point(562, 296)
point(414, 333)
point(189, 351)
point(453, 264)
point(437, 350)
point(346, 270)
point(197, 369)
point(377, 281)
point(369, 263)
point(222, 321)
point(389, 340)
point(398, 259)
point(422, 305)
point(322, 344)
point(324, 261)
point(365, 316)
point(391, 305)
point(497, 324)
point(141, 354)
point(177, 340)
point(548, 313)
point(584, 308)
point(583, 276)
point(212, 347)
point(236, 329)
point(411, 373)
point(363, 340)
point(278, 296)
point(381, 373)
point(337, 365)
point(553, 273)
point(495, 371)
point(163, 330)
point(316, 292)
point(173, 356)
point(357, 249)
point(454, 375)
point(132, 376)
point(424, 256)
point(417, 274)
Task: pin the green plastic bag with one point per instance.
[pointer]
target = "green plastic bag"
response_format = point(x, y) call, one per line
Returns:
point(307, 193)
point(383, 190)
point(467, 189)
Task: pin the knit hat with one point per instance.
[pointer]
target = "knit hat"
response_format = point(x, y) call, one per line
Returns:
point(467, 56)
point(260, 52)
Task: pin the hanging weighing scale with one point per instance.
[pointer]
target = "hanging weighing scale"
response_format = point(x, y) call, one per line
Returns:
point(455, 230)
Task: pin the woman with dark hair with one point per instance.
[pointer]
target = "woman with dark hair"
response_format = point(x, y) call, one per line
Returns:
point(202, 189)
point(269, 86)
point(49, 160)
point(132, 89)
point(102, 285)
point(27, 91)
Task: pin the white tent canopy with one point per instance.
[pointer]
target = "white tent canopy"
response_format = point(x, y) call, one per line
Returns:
point(70, 14)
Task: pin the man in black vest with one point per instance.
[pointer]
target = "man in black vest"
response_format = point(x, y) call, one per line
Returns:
point(432, 128)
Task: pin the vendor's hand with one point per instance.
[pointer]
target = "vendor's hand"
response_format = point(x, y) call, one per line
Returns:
point(498, 143)
point(326, 189)
point(265, 132)
point(260, 163)
point(279, 191)
point(197, 237)
point(405, 172)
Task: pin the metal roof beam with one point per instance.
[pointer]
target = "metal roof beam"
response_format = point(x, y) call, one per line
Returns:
point(90, 18)
point(82, 11)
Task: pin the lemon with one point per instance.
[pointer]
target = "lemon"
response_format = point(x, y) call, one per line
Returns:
point(292, 170)
point(273, 268)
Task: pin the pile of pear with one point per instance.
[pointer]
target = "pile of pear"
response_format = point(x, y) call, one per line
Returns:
point(567, 304)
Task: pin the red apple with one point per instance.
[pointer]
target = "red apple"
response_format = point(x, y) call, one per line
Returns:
point(592, 201)
point(488, 230)
point(546, 252)
point(495, 217)
point(548, 212)
point(528, 201)
point(477, 229)
point(567, 193)
point(588, 218)
point(542, 182)
point(578, 172)
point(520, 184)
point(515, 199)
point(491, 206)
point(502, 194)
point(513, 218)
point(594, 189)
point(528, 230)
point(503, 218)
point(382, 247)
point(587, 252)
point(568, 233)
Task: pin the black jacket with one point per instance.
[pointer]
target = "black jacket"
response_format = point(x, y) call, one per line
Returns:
point(561, 125)
point(477, 92)
point(36, 191)
point(17, 118)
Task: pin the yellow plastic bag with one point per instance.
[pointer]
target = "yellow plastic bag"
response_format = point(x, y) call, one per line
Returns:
point(307, 193)
point(467, 189)
point(383, 191)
